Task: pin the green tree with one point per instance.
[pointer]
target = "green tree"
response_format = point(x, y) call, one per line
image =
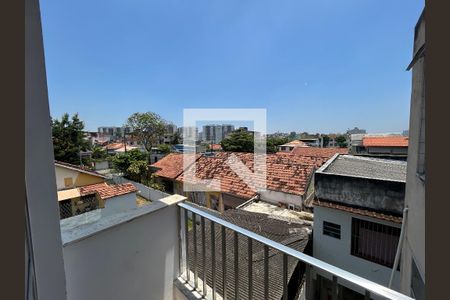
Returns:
point(132, 164)
point(238, 141)
point(148, 128)
point(68, 138)
point(274, 142)
point(341, 141)
point(164, 148)
point(176, 138)
point(98, 153)
point(292, 136)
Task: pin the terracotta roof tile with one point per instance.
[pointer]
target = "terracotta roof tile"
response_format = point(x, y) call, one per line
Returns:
point(114, 146)
point(170, 166)
point(285, 172)
point(295, 143)
point(319, 152)
point(358, 211)
point(215, 147)
point(385, 141)
point(107, 191)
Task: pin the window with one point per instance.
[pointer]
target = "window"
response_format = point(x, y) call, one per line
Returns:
point(421, 149)
point(291, 206)
point(331, 229)
point(374, 242)
point(68, 182)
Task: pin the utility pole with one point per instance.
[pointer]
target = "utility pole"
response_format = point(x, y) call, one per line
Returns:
point(124, 139)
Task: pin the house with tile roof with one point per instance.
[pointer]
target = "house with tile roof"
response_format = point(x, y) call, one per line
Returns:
point(214, 184)
point(383, 146)
point(70, 176)
point(288, 147)
point(358, 212)
point(110, 198)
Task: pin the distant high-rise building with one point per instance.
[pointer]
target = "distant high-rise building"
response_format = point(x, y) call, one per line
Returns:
point(171, 128)
point(189, 133)
point(216, 133)
point(113, 132)
point(226, 130)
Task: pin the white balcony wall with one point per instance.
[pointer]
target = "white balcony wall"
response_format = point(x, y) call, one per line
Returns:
point(119, 204)
point(133, 255)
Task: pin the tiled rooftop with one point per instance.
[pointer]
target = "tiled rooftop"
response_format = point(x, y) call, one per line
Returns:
point(295, 143)
point(365, 167)
point(114, 146)
point(385, 141)
point(359, 211)
point(170, 166)
point(285, 172)
point(319, 152)
point(107, 191)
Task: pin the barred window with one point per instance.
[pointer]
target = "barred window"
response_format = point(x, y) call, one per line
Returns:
point(331, 229)
point(374, 242)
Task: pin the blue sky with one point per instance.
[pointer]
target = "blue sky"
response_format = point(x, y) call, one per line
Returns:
point(317, 66)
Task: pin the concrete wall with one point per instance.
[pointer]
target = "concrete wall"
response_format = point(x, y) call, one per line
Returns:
point(275, 197)
point(143, 190)
point(375, 194)
point(45, 268)
point(101, 165)
point(125, 257)
point(337, 251)
point(119, 204)
point(414, 244)
point(387, 150)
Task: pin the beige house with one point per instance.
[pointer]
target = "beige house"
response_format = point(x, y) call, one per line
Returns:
point(70, 176)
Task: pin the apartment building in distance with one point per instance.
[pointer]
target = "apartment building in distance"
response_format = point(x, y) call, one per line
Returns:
point(113, 132)
point(188, 133)
point(216, 133)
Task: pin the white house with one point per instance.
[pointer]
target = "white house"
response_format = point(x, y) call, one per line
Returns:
point(357, 220)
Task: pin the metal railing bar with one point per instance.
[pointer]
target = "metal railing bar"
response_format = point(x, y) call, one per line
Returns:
point(250, 268)
point(266, 272)
point(213, 259)
point(334, 288)
point(186, 229)
point(285, 276)
point(236, 265)
point(202, 221)
point(194, 240)
point(366, 284)
point(224, 263)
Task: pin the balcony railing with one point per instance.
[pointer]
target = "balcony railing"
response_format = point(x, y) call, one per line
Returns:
point(190, 266)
